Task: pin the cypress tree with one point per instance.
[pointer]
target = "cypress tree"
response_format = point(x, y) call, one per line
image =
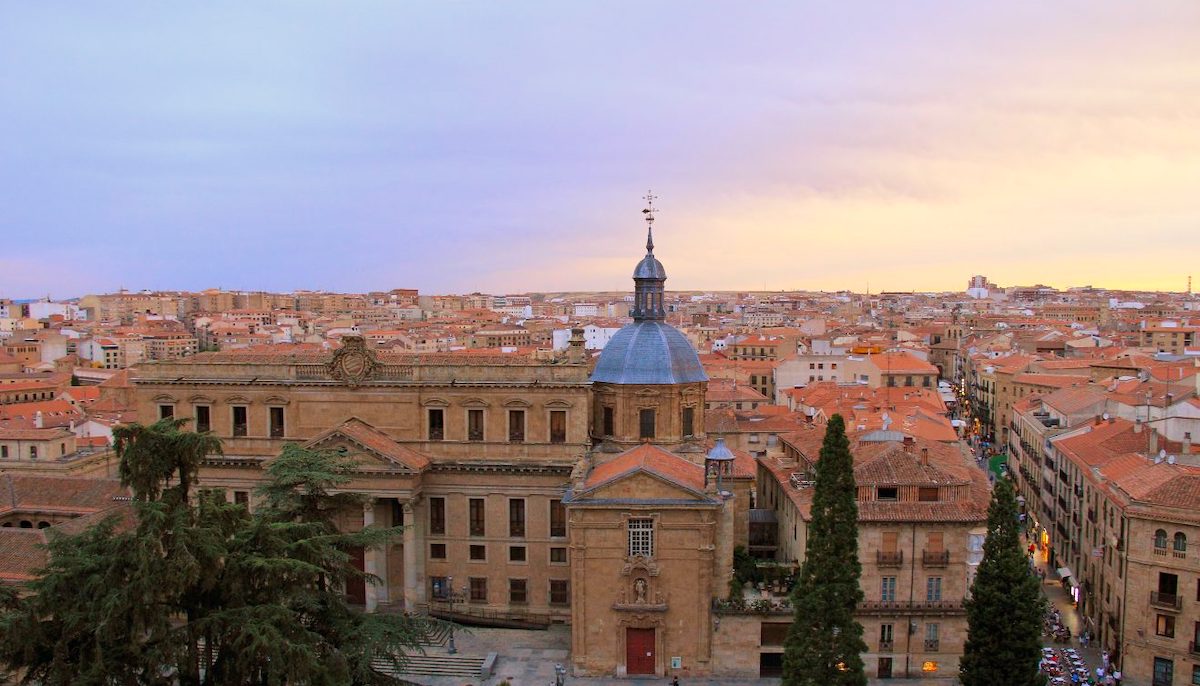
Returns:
point(1005, 610)
point(824, 645)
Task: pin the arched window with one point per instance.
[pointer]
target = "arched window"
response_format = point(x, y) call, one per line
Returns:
point(43, 525)
point(1180, 542)
point(1160, 539)
point(26, 524)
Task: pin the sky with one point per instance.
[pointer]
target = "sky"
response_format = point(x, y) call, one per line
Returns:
point(506, 147)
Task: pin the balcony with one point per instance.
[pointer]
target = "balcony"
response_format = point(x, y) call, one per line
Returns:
point(889, 559)
point(885, 646)
point(931, 645)
point(911, 607)
point(935, 558)
point(1166, 601)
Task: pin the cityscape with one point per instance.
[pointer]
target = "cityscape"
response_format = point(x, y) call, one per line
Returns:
point(433, 346)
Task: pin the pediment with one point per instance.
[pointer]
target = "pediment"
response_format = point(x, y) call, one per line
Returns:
point(372, 448)
point(642, 485)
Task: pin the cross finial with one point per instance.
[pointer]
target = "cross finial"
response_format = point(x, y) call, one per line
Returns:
point(648, 214)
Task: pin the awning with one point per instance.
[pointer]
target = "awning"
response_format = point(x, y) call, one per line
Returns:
point(1064, 572)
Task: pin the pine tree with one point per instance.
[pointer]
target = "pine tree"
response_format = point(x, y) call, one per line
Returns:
point(259, 594)
point(824, 645)
point(1006, 607)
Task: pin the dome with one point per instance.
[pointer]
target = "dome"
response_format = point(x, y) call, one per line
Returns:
point(649, 352)
point(649, 268)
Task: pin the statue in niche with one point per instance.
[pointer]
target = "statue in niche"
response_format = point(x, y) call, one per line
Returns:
point(640, 588)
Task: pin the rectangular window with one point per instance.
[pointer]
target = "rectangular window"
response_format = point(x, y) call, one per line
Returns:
point(239, 420)
point(689, 421)
point(927, 494)
point(516, 517)
point(558, 556)
point(517, 591)
point(437, 551)
point(33, 452)
point(476, 517)
point(646, 423)
point(931, 635)
point(478, 553)
point(437, 516)
point(558, 519)
point(203, 418)
point(609, 423)
point(1165, 626)
point(933, 588)
point(241, 498)
point(166, 411)
point(641, 537)
point(4, 452)
point(1164, 672)
point(439, 587)
point(559, 594)
point(276, 422)
point(934, 541)
point(478, 589)
point(437, 424)
point(474, 425)
point(887, 493)
point(886, 633)
point(516, 426)
point(890, 541)
point(887, 589)
point(516, 553)
point(558, 426)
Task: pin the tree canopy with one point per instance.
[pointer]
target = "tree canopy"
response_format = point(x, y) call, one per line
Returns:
point(1006, 607)
point(824, 645)
point(198, 591)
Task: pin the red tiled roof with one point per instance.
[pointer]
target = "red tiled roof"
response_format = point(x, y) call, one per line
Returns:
point(648, 458)
point(376, 441)
point(60, 494)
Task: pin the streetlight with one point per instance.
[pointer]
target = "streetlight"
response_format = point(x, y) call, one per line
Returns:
point(450, 648)
point(560, 674)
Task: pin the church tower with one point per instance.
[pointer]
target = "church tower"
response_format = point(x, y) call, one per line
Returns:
point(649, 384)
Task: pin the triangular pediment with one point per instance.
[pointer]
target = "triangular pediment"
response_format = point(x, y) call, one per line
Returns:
point(642, 485)
point(373, 448)
point(645, 473)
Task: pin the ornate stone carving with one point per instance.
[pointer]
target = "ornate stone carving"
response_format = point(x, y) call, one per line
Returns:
point(353, 363)
point(639, 562)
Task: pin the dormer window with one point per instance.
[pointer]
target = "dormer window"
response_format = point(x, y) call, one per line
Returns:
point(887, 493)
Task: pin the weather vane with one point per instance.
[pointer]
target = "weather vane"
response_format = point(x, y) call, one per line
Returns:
point(650, 197)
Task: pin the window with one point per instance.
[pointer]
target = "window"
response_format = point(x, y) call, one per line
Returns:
point(166, 411)
point(934, 540)
point(517, 591)
point(203, 418)
point(887, 589)
point(33, 452)
point(927, 494)
point(1160, 539)
point(516, 553)
point(474, 425)
point(646, 423)
point(476, 517)
point(931, 636)
point(437, 551)
point(886, 634)
point(558, 426)
point(239, 420)
point(1196, 671)
point(933, 588)
point(558, 519)
point(516, 517)
point(689, 421)
point(1180, 542)
point(439, 587)
point(516, 426)
point(558, 592)
point(1164, 626)
point(4, 452)
point(641, 537)
point(609, 424)
point(478, 552)
point(437, 424)
point(558, 556)
point(887, 493)
point(478, 589)
point(437, 516)
point(241, 498)
point(276, 422)
point(1164, 671)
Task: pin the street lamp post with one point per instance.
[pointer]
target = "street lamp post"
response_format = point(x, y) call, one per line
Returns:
point(450, 647)
point(560, 674)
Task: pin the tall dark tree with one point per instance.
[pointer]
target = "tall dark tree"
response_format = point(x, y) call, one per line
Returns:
point(258, 595)
point(1005, 610)
point(824, 645)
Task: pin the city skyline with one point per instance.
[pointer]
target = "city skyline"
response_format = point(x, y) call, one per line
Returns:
point(475, 148)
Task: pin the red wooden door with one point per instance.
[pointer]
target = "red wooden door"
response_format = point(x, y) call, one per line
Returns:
point(356, 589)
point(639, 651)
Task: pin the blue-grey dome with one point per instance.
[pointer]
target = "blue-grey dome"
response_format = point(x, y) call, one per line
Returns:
point(649, 352)
point(649, 268)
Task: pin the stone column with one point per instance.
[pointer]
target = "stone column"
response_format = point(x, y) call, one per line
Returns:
point(413, 588)
point(370, 561)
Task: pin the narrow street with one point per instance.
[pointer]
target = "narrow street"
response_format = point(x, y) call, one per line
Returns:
point(1060, 600)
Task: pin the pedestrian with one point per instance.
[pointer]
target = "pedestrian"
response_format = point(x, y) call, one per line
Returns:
point(675, 681)
point(1116, 675)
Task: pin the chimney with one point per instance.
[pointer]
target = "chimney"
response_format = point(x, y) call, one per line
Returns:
point(1187, 443)
point(1153, 440)
point(925, 456)
point(37, 420)
point(908, 444)
point(575, 352)
point(1099, 420)
point(1137, 426)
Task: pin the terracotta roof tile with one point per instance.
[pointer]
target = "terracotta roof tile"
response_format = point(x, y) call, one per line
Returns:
point(648, 458)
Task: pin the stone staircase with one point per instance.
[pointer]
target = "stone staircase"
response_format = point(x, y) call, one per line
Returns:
point(436, 665)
